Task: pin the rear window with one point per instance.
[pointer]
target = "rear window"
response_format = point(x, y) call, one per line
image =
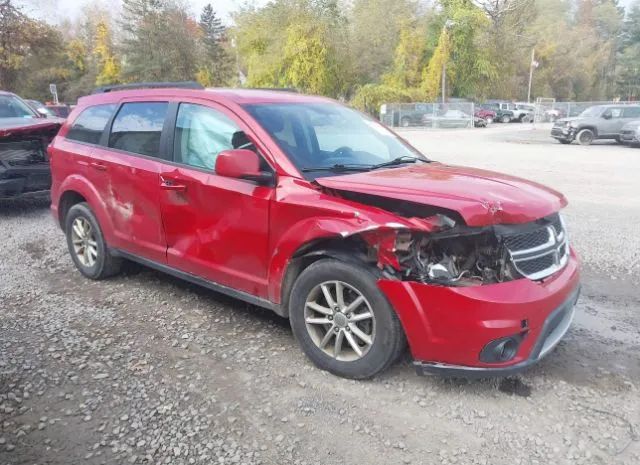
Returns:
point(138, 126)
point(89, 126)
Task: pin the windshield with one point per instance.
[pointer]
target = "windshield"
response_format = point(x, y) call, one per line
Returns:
point(321, 137)
point(13, 107)
point(591, 112)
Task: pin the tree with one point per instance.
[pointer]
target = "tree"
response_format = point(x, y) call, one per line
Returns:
point(107, 63)
point(432, 75)
point(159, 41)
point(216, 68)
point(309, 60)
point(409, 58)
point(375, 27)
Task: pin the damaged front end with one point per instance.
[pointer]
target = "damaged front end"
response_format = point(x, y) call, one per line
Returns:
point(458, 255)
point(24, 167)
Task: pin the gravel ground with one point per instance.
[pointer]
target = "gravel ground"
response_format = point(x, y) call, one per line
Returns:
point(144, 368)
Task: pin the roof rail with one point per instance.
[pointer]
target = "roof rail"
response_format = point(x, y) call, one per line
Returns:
point(149, 85)
point(278, 89)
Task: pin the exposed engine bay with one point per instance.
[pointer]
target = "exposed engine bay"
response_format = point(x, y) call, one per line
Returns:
point(457, 255)
point(453, 259)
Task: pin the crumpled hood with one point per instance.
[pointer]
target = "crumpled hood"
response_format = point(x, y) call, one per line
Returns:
point(481, 197)
point(15, 126)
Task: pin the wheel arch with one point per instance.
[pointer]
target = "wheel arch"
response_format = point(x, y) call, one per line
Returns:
point(77, 189)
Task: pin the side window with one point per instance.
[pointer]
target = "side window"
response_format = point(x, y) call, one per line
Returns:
point(616, 112)
point(138, 126)
point(632, 112)
point(202, 133)
point(89, 125)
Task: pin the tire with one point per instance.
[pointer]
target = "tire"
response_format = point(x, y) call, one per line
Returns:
point(564, 141)
point(405, 122)
point(387, 340)
point(525, 119)
point(618, 140)
point(585, 137)
point(489, 120)
point(87, 246)
point(505, 119)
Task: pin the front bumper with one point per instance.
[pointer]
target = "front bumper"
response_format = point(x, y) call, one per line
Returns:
point(563, 133)
point(24, 180)
point(448, 327)
point(629, 137)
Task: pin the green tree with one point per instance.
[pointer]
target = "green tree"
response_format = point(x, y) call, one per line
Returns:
point(216, 68)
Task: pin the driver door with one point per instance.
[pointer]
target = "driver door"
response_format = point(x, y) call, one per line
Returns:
point(216, 227)
point(612, 122)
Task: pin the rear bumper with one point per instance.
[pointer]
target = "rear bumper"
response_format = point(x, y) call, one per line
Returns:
point(448, 327)
point(24, 180)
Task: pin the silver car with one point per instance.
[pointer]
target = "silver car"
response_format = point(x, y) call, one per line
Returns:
point(597, 122)
point(630, 133)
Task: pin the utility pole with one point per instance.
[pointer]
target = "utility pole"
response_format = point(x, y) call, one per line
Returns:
point(534, 64)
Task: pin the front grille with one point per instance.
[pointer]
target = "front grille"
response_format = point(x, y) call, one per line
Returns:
point(538, 253)
point(536, 265)
point(527, 240)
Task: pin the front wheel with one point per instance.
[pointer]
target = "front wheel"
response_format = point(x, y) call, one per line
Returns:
point(343, 322)
point(505, 119)
point(585, 137)
point(86, 244)
point(405, 122)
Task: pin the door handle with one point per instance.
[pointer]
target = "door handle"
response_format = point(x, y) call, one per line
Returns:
point(98, 166)
point(171, 185)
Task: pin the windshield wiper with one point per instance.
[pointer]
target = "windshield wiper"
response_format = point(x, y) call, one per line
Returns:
point(397, 161)
point(337, 168)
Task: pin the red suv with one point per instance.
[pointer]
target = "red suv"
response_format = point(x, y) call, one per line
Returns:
point(306, 207)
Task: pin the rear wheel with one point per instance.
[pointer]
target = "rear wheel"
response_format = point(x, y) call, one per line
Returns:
point(585, 137)
point(343, 322)
point(405, 122)
point(86, 244)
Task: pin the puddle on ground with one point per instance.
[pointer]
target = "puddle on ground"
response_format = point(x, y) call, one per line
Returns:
point(514, 386)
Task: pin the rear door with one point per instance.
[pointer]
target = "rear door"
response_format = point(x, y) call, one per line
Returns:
point(216, 227)
point(130, 160)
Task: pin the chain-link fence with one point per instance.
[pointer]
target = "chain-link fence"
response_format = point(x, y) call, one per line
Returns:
point(428, 115)
point(548, 110)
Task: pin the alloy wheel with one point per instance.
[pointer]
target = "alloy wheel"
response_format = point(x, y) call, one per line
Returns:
point(84, 242)
point(340, 321)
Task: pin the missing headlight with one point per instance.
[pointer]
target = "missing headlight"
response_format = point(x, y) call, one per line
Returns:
point(455, 259)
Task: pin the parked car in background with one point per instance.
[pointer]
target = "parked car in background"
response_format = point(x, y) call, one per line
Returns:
point(24, 137)
point(412, 115)
point(502, 115)
point(448, 119)
point(60, 111)
point(40, 108)
point(521, 113)
point(479, 122)
point(488, 115)
point(303, 206)
point(596, 122)
point(630, 133)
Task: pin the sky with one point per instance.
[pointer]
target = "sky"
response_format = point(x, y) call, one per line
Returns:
point(55, 11)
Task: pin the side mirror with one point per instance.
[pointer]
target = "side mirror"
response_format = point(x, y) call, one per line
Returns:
point(242, 164)
point(607, 116)
point(43, 112)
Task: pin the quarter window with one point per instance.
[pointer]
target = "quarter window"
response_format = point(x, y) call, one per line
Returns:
point(138, 127)
point(89, 126)
point(202, 133)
